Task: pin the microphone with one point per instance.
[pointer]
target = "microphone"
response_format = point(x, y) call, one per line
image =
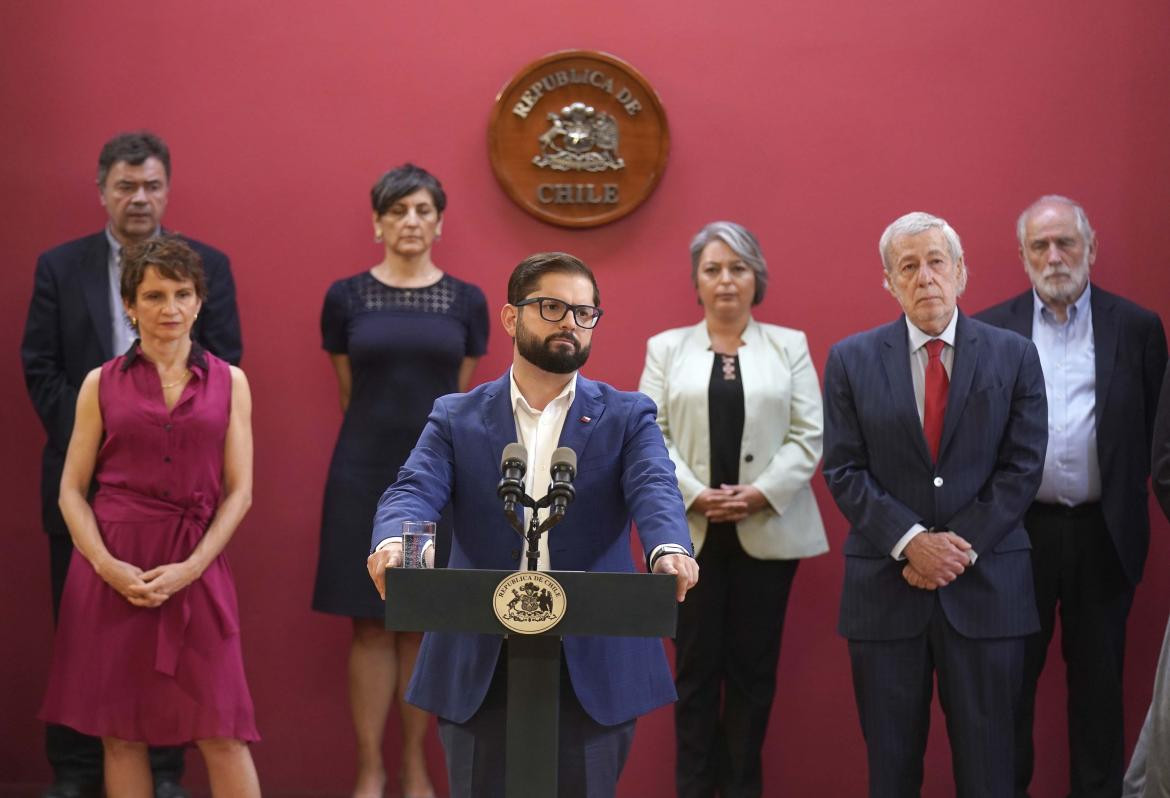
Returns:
point(513, 464)
point(564, 471)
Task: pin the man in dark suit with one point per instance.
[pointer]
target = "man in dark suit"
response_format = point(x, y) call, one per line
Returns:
point(934, 443)
point(624, 472)
point(75, 323)
point(1103, 359)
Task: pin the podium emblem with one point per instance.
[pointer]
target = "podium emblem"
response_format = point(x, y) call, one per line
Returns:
point(578, 138)
point(529, 602)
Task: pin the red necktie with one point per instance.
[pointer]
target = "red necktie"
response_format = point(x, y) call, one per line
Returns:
point(935, 398)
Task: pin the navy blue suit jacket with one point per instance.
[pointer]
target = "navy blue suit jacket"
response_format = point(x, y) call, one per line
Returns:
point(1130, 348)
point(623, 472)
point(879, 470)
point(69, 332)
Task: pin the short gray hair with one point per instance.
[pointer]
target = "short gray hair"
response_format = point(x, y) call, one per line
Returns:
point(742, 242)
point(1083, 226)
point(917, 222)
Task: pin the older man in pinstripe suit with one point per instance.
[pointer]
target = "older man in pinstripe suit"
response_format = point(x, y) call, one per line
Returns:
point(935, 432)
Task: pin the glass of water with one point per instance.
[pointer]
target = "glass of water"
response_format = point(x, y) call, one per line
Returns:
point(418, 544)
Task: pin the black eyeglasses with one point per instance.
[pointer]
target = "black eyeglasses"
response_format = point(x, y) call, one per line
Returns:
point(554, 310)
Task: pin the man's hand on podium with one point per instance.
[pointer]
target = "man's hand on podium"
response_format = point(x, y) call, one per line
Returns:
point(380, 560)
point(684, 568)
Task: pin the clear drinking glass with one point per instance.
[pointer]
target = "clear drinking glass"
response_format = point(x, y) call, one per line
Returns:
point(418, 544)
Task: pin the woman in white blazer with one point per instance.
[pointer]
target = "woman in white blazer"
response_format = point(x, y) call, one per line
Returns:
point(740, 406)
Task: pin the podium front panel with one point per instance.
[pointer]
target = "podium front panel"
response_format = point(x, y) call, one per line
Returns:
point(460, 600)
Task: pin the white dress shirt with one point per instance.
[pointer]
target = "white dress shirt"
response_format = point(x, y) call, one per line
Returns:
point(539, 432)
point(919, 357)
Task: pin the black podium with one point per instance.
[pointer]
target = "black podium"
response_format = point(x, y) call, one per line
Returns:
point(457, 600)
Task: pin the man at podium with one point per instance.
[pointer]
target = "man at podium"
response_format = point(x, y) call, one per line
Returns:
point(623, 473)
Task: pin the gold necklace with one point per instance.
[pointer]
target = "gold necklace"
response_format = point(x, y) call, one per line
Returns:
point(180, 381)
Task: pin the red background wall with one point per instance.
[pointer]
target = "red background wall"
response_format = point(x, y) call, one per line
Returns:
point(812, 123)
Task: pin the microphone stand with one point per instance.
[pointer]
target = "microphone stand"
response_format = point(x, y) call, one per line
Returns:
point(535, 528)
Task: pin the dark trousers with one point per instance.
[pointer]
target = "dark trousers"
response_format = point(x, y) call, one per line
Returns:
point(74, 756)
point(978, 686)
point(590, 756)
point(1075, 567)
point(727, 648)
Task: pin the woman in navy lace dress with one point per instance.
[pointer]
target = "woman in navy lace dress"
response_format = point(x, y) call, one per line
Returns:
point(399, 335)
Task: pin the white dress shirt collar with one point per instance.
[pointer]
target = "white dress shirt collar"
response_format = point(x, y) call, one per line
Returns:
point(919, 339)
point(520, 403)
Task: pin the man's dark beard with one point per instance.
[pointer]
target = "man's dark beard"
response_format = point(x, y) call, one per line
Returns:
point(556, 360)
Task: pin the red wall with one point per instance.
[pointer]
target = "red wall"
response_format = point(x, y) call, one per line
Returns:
point(812, 123)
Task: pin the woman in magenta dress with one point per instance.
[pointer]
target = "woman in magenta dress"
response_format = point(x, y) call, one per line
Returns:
point(148, 646)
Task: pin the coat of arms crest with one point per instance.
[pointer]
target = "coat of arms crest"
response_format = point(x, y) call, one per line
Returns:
point(529, 602)
point(580, 138)
point(554, 133)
